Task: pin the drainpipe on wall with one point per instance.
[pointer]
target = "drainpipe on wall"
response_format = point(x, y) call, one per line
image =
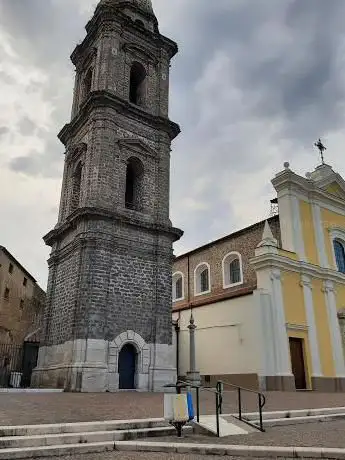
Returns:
point(177, 331)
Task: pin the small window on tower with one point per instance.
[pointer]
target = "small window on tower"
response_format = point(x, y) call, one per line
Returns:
point(137, 85)
point(6, 294)
point(10, 268)
point(87, 83)
point(75, 199)
point(134, 180)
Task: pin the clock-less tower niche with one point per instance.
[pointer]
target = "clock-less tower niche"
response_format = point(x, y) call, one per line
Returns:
point(107, 322)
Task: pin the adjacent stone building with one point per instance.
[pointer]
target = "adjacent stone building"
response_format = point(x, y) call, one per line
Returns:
point(107, 322)
point(21, 302)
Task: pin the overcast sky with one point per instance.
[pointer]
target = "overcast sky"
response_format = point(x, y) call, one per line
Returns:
point(256, 82)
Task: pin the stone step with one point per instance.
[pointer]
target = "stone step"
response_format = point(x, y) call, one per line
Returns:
point(300, 420)
point(85, 437)
point(265, 452)
point(294, 413)
point(58, 428)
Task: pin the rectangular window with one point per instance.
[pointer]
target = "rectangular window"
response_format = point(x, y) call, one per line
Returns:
point(21, 304)
point(25, 281)
point(7, 294)
point(204, 285)
point(178, 294)
point(10, 268)
point(235, 272)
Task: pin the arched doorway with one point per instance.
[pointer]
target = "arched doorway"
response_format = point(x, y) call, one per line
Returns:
point(127, 367)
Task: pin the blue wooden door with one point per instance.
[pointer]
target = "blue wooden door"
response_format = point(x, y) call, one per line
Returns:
point(127, 364)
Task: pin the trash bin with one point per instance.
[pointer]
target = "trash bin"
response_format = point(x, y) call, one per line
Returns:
point(15, 379)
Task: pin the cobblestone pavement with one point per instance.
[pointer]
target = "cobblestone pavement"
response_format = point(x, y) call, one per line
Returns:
point(321, 434)
point(21, 409)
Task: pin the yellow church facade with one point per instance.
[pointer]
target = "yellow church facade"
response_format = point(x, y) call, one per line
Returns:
point(288, 298)
point(306, 281)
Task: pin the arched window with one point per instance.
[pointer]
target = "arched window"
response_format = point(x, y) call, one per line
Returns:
point(137, 86)
point(87, 85)
point(134, 184)
point(76, 190)
point(232, 270)
point(202, 284)
point(339, 252)
point(177, 287)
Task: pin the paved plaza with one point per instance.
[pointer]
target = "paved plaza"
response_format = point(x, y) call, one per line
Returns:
point(29, 409)
point(33, 408)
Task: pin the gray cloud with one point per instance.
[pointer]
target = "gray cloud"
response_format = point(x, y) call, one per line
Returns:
point(26, 126)
point(255, 82)
point(3, 130)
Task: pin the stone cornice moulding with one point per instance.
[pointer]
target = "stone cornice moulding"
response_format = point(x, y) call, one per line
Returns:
point(297, 327)
point(273, 261)
point(337, 232)
point(137, 146)
point(104, 99)
point(90, 212)
point(75, 152)
point(137, 50)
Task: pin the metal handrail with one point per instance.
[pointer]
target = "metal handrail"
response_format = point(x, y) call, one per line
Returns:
point(197, 388)
point(261, 402)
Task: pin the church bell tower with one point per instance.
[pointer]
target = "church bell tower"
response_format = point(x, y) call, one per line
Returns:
point(107, 322)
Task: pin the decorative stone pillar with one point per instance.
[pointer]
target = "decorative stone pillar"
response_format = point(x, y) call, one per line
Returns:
point(337, 348)
point(193, 376)
point(316, 372)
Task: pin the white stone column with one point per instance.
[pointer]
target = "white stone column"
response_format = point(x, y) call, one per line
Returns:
point(283, 364)
point(337, 347)
point(306, 283)
point(320, 237)
point(298, 233)
point(264, 318)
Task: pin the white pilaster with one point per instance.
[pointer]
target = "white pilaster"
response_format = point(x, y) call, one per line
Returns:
point(312, 331)
point(297, 228)
point(283, 364)
point(263, 307)
point(337, 347)
point(320, 237)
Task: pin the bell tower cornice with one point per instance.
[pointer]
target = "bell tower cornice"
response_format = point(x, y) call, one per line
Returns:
point(103, 99)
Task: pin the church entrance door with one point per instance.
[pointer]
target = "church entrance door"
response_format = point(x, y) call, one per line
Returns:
point(297, 362)
point(127, 367)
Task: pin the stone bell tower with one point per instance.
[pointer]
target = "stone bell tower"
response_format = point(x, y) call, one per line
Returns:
point(107, 323)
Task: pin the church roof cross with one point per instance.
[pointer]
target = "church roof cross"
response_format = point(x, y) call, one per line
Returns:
point(322, 149)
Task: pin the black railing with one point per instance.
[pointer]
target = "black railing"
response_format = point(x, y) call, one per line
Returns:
point(198, 388)
point(261, 402)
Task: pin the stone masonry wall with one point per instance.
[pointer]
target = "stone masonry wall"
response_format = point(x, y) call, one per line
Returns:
point(243, 242)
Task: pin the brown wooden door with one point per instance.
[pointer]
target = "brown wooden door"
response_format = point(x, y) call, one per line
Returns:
point(297, 362)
